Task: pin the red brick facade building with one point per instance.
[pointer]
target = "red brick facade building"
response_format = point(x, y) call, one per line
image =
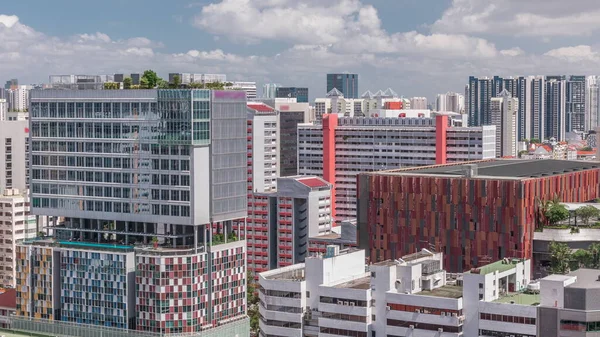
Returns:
point(474, 213)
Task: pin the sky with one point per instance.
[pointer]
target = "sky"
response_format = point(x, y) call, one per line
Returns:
point(416, 47)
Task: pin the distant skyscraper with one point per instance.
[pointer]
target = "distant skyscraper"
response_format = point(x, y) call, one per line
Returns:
point(555, 108)
point(450, 101)
point(576, 98)
point(347, 84)
point(504, 111)
point(592, 102)
point(270, 90)
point(248, 87)
point(480, 95)
point(18, 98)
point(11, 84)
point(300, 94)
point(418, 103)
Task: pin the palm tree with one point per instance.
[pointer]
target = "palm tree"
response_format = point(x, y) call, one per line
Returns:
point(594, 250)
point(560, 257)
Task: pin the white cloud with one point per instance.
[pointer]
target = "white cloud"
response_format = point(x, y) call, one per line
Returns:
point(9, 20)
point(574, 54)
point(512, 52)
point(412, 63)
point(345, 26)
point(521, 17)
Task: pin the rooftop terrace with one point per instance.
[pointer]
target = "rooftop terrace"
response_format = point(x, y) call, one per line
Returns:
point(291, 273)
point(446, 291)
point(359, 283)
point(417, 255)
point(510, 168)
point(520, 298)
point(498, 266)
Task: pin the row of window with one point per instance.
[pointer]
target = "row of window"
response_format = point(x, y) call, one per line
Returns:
point(112, 147)
point(91, 110)
point(111, 177)
point(507, 318)
point(424, 310)
point(108, 162)
point(114, 207)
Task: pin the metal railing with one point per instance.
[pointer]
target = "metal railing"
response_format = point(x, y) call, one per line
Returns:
point(239, 328)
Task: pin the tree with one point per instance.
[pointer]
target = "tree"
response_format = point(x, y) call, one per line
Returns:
point(151, 79)
point(560, 256)
point(176, 81)
point(586, 213)
point(111, 86)
point(162, 84)
point(594, 252)
point(582, 258)
point(556, 213)
point(144, 84)
point(252, 299)
point(534, 141)
point(587, 148)
point(127, 82)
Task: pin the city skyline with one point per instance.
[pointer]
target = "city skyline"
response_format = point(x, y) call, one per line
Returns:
point(417, 49)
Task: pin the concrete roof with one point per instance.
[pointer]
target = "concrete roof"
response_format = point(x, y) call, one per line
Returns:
point(511, 168)
point(557, 277)
point(586, 278)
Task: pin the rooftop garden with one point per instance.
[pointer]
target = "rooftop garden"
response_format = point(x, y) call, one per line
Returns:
point(219, 238)
point(150, 80)
point(553, 214)
point(563, 259)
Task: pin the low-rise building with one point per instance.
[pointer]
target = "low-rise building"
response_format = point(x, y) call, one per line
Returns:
point(569, 305)
point(343, 236)
point(16, 223)
point(337, 295)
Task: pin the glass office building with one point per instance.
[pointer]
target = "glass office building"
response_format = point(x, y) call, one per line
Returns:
point(347, 84)
point(148, 171)
point(300, 94)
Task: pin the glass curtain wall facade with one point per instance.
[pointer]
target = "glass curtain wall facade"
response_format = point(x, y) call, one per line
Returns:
point(145, 171)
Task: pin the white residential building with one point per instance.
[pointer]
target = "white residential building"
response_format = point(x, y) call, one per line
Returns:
point(16, 223)
point(187, 78)
point(248, 87)
point(331, 295)
point(504, 110)
point(450, 101)
point(418, 103)
point(592, 103)
point(14, 155)
point(340, 148)
point(366, 105)
point(270, 90)
point(325, 296)
point(3, 109)
point(500, 301)
point(18, 99)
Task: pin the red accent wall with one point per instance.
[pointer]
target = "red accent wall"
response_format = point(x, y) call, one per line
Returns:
point(441, 130)
point(472, 221)
point(330, 122)
point(393, 105)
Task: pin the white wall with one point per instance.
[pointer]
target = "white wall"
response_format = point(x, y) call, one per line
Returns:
point(201, 184)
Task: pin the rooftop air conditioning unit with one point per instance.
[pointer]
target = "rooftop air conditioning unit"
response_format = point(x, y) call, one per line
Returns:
point(411, 326)
point(352, 304)
point(340, 302)
point(440, 330)
point(346, 303)
point(417, 310)
point(443, 313)
point(387, 308)
point(454, 314)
